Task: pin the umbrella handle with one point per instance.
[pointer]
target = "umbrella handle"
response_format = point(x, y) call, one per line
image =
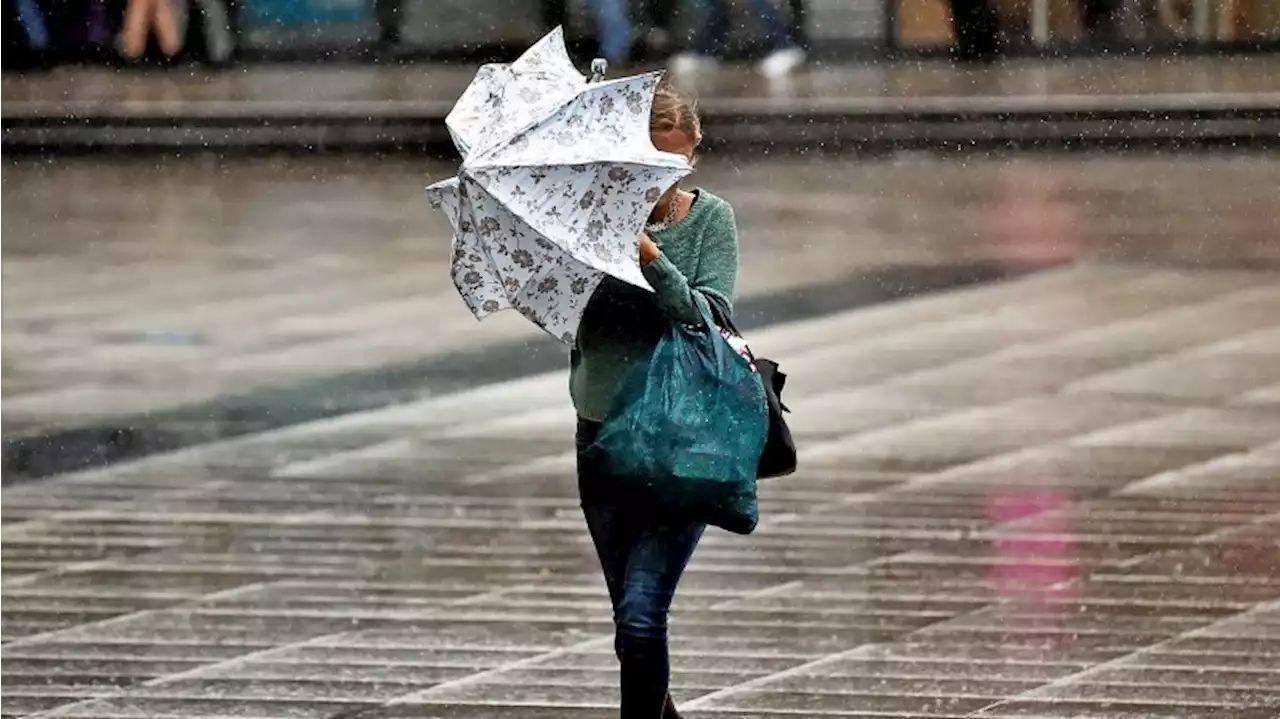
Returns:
point(598, 68)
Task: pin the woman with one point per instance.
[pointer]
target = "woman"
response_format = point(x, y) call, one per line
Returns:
point(689, 250)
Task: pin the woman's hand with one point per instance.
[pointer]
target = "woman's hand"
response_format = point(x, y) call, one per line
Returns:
point(649, 250)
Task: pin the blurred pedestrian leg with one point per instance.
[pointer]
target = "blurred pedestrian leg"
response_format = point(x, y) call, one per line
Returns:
point(144, 17)
point(97, 28)
point(90, 32)
point(799, 30)
point(614, 35)
point(786, 42)
point(785, 54)
point(215, 22)
point(555, 13)
point(613, 27)
point(1100, 21)
point(707, 36)
point(977, 30)
point(387, 13)
point(28, 43)
point(658, 40)
point(33, 24)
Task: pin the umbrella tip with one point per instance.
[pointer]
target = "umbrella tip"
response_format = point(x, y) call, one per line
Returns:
point(598, 68)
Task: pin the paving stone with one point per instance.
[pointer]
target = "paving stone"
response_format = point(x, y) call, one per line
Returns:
point(17, 705)
point(1214, 658)
point(484, 711)
point(328, 306)
point(1062, 709)
point(366, 649)
point(539, 693)
point(844, 701)
point(927, 668)
point(1051, 547)
point(329, 688)
point(51, 671)
point(139, 707)
point(1189, 676)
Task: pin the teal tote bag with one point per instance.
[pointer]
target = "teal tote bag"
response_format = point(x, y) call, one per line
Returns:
point(686, 431)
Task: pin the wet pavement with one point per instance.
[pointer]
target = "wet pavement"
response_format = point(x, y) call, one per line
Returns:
point(1197, 100)
point(201, 299)
point(1048, 497)
point(1038, 402)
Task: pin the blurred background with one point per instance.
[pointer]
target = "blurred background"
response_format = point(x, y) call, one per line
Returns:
point(42, 34)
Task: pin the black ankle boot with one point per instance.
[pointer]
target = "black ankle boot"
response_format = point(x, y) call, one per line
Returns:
point(669, 709)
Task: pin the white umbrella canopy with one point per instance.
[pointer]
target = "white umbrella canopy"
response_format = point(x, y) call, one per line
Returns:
point(558, 177)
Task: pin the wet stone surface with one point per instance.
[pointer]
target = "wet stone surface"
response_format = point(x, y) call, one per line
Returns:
point(410, 89)
point(1099, 542)
point(1108, 102)
point(297, 289)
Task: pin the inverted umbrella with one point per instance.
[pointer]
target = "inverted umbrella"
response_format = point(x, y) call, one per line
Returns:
point(557, 179)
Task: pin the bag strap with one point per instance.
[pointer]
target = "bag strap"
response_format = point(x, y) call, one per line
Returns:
point(717, 343)
point(721, 312)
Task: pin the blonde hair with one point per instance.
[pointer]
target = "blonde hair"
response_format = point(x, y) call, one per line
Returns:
point(673, 110)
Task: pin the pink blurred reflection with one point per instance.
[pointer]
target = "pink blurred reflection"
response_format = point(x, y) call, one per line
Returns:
point(1035, 567)
point(1029, 220)
point(1037, 555)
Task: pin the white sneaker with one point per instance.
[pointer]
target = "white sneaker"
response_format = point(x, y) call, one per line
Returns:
point(690, 62)
point(781, 62)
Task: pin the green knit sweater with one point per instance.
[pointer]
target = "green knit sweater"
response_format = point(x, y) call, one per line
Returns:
point(622, 324)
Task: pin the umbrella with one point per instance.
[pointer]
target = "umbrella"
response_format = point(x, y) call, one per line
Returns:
point(557, 179)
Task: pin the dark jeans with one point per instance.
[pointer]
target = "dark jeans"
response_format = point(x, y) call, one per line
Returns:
point(660, 13)
point(977, 30)
point(715, 24)
point(1100, 16)
point(387, 13)
point(642, 559)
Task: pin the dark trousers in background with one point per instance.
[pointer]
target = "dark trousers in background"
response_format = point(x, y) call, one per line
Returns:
point(554, 12)
point(977, 30)
point(1099, 17)
point(656, 15)
point(799, 31)
point(715, 23)
point(660, 13)
point(33, 24)
point(642, 560)
point(387, 15)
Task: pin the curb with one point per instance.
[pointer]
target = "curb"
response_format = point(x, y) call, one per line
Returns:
point(939, 123)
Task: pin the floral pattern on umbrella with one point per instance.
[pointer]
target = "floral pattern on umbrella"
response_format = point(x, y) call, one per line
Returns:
point(557, 180)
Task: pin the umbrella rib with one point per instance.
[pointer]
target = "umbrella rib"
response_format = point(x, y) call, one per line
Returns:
point(537, 120)
point(676, 162)
point(552, 110)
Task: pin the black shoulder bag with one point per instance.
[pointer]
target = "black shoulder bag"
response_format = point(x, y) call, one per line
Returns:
point(779, 457)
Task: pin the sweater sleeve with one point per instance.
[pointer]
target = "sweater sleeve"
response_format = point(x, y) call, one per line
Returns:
point(717, 272)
